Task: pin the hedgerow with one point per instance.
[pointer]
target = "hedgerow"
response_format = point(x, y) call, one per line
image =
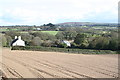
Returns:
point(66, 50)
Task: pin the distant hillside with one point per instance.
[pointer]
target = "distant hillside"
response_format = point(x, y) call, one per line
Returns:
point(78, 24)
point(69, 24)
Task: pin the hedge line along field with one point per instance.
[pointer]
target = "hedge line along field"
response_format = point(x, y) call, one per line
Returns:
point(65, 50)
point(41, 64)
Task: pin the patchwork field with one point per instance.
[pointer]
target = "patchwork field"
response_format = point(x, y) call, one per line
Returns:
point(37, 64)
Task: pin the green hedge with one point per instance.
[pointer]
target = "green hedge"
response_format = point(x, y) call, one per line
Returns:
point(67, 50)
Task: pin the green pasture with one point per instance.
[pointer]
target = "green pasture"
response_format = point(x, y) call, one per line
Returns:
point(51, 32)
point(13, 29)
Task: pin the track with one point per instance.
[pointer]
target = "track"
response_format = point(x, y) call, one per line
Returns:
point(36, 64)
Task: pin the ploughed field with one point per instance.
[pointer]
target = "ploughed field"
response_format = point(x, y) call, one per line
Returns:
point(40, 64)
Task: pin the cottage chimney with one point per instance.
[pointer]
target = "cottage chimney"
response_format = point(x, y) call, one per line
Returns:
point(15, 37)
point(19, 38)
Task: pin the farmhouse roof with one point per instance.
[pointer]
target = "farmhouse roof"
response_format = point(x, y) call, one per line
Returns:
point(14, 41)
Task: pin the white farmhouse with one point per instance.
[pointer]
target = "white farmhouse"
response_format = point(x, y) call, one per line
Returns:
point(18, 41)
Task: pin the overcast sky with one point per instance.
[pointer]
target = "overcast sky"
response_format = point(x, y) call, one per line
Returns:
point(37, 12)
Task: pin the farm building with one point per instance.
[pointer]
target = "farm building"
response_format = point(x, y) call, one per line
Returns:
point(38, 29)
point(67, 43)
point(18, 41)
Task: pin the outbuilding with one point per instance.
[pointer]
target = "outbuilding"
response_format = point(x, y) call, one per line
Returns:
point(66, 42)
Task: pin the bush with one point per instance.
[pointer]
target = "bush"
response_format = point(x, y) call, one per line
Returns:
point(62, 45)
point(18, 48)
point(74, 45)
point(4, 40)
point(47, 44)
point(36, 41)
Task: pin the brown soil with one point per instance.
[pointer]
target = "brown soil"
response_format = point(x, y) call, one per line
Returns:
point(39, 64)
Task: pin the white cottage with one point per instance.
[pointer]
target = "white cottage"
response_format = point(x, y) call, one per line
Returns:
point(18, 41)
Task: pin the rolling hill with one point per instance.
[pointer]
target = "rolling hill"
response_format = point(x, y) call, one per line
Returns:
point(77, 24)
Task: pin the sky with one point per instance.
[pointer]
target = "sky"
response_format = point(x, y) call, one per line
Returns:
point(38, 12)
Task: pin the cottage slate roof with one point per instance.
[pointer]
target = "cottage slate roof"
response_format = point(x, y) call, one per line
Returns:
point(14, 41)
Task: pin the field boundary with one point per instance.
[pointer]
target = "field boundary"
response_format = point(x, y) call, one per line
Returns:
point(66, 50)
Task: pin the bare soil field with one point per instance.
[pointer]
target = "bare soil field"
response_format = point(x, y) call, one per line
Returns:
point(40, 64)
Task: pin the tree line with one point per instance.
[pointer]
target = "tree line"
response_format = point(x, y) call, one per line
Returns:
point(79, 39)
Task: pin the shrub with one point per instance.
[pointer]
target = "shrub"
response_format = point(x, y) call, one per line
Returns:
point(4, 40)
point(74, 45)
point(62, 45)
point(47, 44)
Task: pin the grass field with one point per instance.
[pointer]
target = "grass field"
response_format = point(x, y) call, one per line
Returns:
point(51, 32)
point(8, 29)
